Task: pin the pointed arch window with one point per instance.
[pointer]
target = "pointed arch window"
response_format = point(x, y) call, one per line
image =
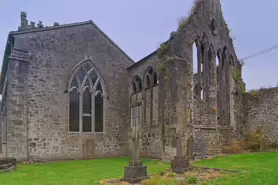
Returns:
point(151, 78)
point(136, 84)
point(86, 100)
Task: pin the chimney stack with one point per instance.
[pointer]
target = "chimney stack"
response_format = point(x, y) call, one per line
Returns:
point(40, 25)
point(25, 26)
point(24, 21)
point(32, 25)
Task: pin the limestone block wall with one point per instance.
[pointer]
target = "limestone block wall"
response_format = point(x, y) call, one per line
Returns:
point(260, 110)
point(151, 141)
point(53, 54)
point(179, 110)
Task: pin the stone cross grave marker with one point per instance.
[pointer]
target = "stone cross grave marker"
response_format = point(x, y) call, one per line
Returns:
point(135, 172)
point(180, 163)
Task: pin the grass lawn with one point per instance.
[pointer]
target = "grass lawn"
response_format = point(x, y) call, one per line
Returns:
point(256, 168)
point(87, 172)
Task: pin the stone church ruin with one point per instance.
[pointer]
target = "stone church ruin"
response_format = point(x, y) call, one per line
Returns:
point(69, 92)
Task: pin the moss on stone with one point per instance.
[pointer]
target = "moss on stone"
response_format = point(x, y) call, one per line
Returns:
point(237, 78)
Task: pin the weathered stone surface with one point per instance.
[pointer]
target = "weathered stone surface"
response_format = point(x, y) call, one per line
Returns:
point(180, 164)
point(135, 172)
point(260, 111)
point(35, 112)
point(7, 164)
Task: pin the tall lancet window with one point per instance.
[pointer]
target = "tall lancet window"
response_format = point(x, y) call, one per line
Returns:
point(86, 100)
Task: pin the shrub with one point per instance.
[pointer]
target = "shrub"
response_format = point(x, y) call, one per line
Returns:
point(254, 93)
point(255, 140)
point(213, 110)
point(237, 78)
point(234, 147)
point(158, 180)
point(171, 174)
point(273, 145)
point(192, 180)
point(183, 21)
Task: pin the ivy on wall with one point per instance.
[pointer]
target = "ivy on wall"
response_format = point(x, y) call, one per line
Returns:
point(237, 78)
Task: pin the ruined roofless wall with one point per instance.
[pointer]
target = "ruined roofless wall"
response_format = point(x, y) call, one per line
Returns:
point(260, 110)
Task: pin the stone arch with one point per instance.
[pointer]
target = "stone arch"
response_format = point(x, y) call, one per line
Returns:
point(102, 81)
point(195, 52)
point(231, 60)
point(150, 77)
point(150, 80)
point(86, 91)
point(218, 53)
point(197, 40)
point(198, 64)
point(204, 49)
point(225, 51)
point(211, 54)
point(136, 84)
point(204, 40)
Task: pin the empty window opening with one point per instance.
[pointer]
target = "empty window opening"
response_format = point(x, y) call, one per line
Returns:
point(195, 58)
point(137, 84)
point(155, 80)
point(151, 78)
point(217, 61)
point(148, 81)
point(134, 87)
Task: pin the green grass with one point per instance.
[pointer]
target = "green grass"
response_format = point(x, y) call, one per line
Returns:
point(255, 168)
point(87, 172)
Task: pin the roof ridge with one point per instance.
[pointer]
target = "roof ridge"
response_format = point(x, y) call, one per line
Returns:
point(71, 25)
point(50, 27)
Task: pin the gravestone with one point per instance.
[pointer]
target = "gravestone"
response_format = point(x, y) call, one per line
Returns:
point(189, 150)
point(135, 172)
point(7, 164)
point(203, 150)
point(88, 148)
point(180, 163)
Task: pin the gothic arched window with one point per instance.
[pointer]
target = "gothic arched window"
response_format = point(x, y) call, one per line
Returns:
point(86, 100)
point(136, 84)
point(151, 78)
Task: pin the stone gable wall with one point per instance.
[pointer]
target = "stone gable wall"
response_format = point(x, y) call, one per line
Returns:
point(53, 56)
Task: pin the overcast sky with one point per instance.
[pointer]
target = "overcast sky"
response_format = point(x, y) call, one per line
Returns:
point(139, 26)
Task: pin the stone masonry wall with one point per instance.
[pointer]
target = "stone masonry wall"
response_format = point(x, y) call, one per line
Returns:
point(151, 145)
point(260, 110)
point(179, 110)
point(16, 105)
point(41, 111)
point(212, 42)
point(53, 56)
